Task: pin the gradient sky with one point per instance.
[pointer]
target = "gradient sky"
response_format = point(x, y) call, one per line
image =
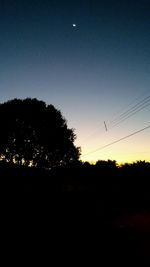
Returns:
point(92, 72)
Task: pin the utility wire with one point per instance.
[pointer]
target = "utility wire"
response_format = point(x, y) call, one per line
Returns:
point(114, 142)
point(129, 112)
point(131, 103)
point(123, 116)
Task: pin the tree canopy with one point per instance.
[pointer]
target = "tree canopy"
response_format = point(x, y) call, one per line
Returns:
point(35, 133)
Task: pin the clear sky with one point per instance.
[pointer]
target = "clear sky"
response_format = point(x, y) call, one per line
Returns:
point(92, 72)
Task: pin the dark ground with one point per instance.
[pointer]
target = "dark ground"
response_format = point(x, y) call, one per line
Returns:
point(77, 232)
point(82, 221)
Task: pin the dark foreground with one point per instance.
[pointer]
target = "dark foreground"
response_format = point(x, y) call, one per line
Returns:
point(76, 231)
point(88, 219)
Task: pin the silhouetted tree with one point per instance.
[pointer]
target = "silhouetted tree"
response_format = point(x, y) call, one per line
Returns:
point(35, 133)
point(111, 164)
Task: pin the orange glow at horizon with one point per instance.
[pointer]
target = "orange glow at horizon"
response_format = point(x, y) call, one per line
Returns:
point(119, 158)
point(133, 149)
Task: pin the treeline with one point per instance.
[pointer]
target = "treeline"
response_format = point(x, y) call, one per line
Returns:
point(105, 186)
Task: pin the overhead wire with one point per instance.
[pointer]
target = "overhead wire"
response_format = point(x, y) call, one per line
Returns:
point(124, 115)
point(116, 141)
point(130, 104)
point(129, 113)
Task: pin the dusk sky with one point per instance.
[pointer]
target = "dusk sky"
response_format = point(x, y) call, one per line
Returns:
point(94, 71)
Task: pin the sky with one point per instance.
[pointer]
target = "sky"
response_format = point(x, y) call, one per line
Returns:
point(97, 71)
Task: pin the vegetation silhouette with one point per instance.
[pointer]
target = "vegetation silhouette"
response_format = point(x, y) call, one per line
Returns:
point(33, 133)
point(105, 189)
point(94, 206)
point(43, 180)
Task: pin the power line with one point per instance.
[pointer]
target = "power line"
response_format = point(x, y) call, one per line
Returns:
point(130, 114)
point(130, 109)
point(125, 115)
point(132, 102)
point(114, 142)
point(133, 110)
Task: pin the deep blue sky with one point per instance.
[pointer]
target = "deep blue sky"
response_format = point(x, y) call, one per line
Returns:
point(90, 72)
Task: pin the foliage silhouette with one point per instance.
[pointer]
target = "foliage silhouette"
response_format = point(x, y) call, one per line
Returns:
point(35, 133)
